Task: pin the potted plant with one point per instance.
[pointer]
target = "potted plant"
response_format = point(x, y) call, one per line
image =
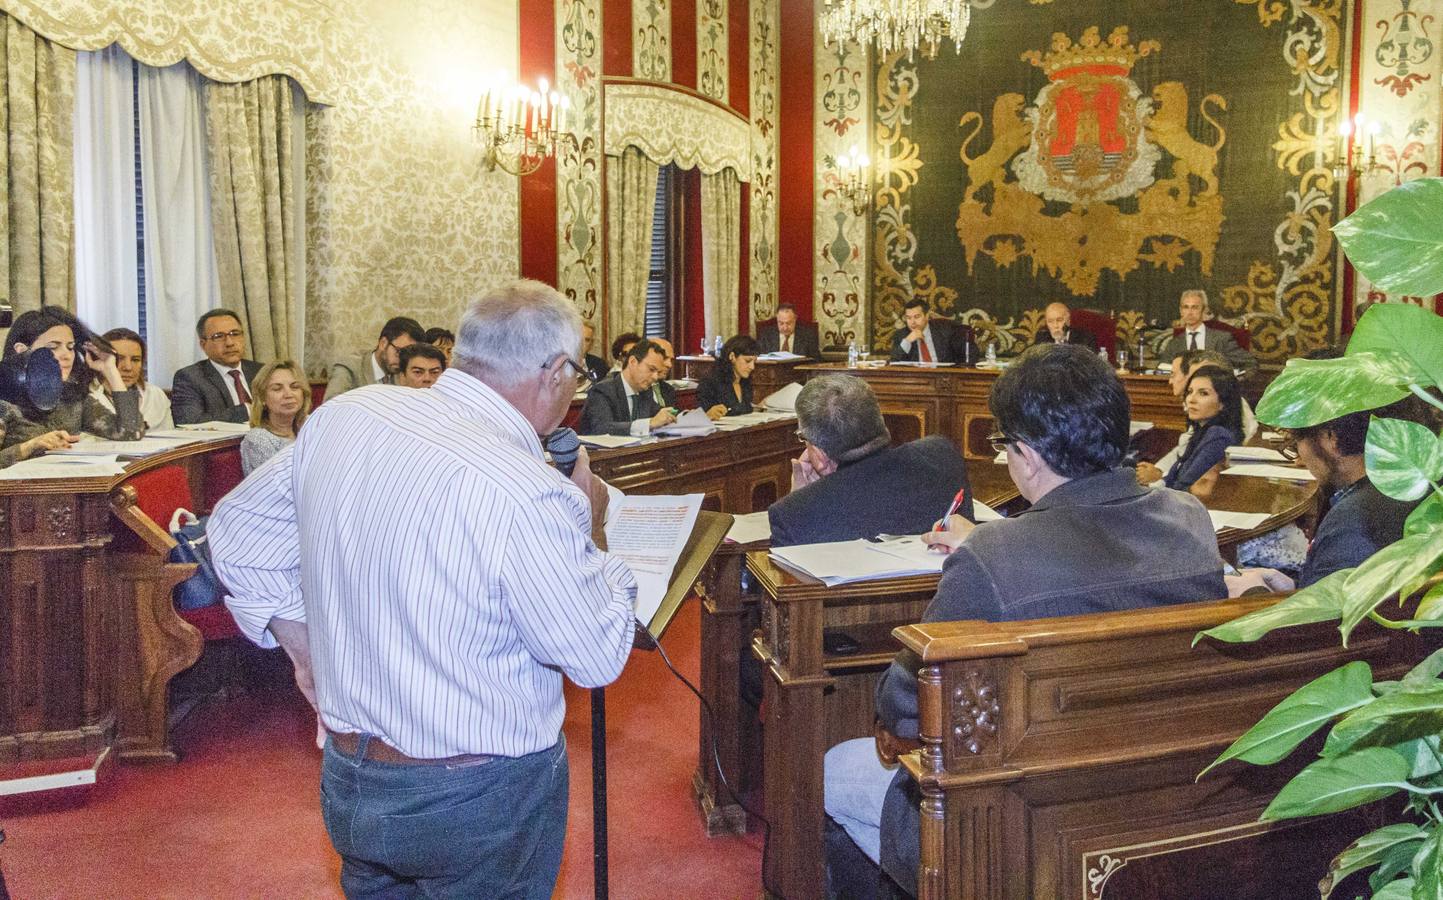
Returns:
point(1383, 737)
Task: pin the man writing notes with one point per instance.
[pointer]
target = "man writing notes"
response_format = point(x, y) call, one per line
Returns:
point(1057, 321)
point(1192, 310)
point(624, 403)
point(785, 337)
point(1092, 541)
point(438, 641)
point(929, 340)
point(849, 483)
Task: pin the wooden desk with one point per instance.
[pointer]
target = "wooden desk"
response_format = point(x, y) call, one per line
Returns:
point(767, 378)
point(67, 638)
point(813, 700)
point(952, 401)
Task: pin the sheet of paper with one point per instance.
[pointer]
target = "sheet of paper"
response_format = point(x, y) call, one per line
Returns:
point(188, 435)
point(1224, 519)
point(691, 423)
point(1272, 435)
point(1264, 470)
point(916, 555)
point(226, 427)
point(749, 527)
point(49, 466)
point(784, 399)
point(981, 512)
point(143, 447)
point(649, 533)
point(847, 561)
point(1255, 454)
point(1135, 426)
point(747, 420)
point(918, 365)
point(780, 356)
point(609, 440)
point(682, 384)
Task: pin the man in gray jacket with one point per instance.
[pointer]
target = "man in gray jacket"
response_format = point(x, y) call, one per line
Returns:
point(378, 366)
point(1092, 541)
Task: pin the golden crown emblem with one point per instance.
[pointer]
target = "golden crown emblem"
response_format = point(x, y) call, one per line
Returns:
point(1117, 54)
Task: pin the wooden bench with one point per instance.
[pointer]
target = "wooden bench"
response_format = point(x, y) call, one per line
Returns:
point(1059, 755)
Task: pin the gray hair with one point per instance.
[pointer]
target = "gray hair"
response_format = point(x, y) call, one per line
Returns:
point(1197, 292)
point(839, 414)
point(517, 328)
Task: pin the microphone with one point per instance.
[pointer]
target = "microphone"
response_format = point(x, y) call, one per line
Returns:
point(563, 445)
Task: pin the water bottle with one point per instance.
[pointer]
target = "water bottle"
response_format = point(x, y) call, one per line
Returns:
point(991, 353)
point(703, 345)
point(1141, 345)
point(717, 344)
point(1102, 355)
point(852, 355)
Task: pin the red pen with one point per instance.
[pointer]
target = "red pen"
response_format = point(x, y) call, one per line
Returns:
point(957, 502)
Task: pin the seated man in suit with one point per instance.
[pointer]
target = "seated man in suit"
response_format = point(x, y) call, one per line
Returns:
point(1092, 541)
point(1193, 311)
point(662, 391)
point(421, 365)
point(932, 340)
point(594, 364)
point(216, 389)
point(851, 483)
point(623, 403)
point(379, 365)
point(785, 337)
point(1059, 329)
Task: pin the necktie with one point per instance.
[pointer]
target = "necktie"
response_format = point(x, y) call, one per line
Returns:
point(635, 406)
point(240, 387)
point(1192, 340)
point(787, 343)
point(922, 349)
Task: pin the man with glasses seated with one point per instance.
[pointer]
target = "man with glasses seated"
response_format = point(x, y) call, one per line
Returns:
point(1093, 540)
point(623, 403)
point(850, 483)
point(216, 389)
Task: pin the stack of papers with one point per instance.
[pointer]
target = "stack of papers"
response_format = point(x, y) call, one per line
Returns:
point(750, 527)
point(682, 384)
point(222, 427)
point(1265, 470)
point(784, 399)
point(63, 467)
point(780, 356)
point(848, 561)
point(112, 449)
point(1255, 454)
point(610, 440)
point(692, 423)
point(732, 423)
point(1222, 519)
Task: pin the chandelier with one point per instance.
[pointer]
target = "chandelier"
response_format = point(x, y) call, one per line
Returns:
point(895, 25)
point(519, 128)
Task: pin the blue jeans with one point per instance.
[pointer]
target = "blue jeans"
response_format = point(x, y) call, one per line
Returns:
point(489, 829)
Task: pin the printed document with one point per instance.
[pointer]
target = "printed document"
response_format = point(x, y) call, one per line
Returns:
point(649, 533)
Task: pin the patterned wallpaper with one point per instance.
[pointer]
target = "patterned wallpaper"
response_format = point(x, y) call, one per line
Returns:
point(842, 119)
point(1400, 67)
point(400, 218)
point(651, 39)
point(711, 48)
point(578, 175)
point(763, 207)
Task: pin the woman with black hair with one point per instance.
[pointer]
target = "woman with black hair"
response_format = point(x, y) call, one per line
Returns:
point(1212, 400)
point(727, 391)
point(79, 410)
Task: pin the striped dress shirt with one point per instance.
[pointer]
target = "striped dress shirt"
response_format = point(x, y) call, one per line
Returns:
point(446, 573)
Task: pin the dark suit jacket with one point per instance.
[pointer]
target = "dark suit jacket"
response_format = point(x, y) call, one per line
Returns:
point(607, 411)
point(897, 490)
point(200, 394)
point(954, 343)
point(1204, 450)
point(1214, 338)
point(804, 341)
point(1075, 335)
point(712, 391)
point(1095, 544)
point(1361, 522)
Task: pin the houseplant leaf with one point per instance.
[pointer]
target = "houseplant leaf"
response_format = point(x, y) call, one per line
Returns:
point(1299, 715)
point(1404, 458)
point(1425, 759)
point(1425, 516)
point(1309, 391)
point(1404, 328)
point(1400, 716)
point(1380, 575)
point(1396, 239)
point(1425, 674)
point(1400, 889)
point(1428, 868)
point(1369, 850)
point(1431, 606)
point(1339, 783)
point(1319, 602)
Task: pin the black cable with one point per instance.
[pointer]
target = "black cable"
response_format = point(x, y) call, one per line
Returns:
point(716, 761)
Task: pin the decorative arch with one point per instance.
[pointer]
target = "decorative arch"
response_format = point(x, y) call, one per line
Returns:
point(672, 125)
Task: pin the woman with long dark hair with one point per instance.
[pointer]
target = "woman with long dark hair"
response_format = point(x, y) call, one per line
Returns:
point(727, 391)
point(1213, 402)
point(83, 360)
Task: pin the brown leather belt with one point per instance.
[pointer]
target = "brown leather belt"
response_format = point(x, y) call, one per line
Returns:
point(377, 750)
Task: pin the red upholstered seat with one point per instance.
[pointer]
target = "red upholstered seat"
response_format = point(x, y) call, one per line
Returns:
point(214, 622)
point(159, 493)
point(222, 473)
point(1101, 326)
point(1241, 335)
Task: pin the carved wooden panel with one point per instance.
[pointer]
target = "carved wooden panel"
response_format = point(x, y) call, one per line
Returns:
point(973, 713)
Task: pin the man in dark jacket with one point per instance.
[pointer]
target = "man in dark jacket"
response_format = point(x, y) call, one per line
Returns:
point(216, 389)
point(1092, 541)
point(849, 483)
point(928, 340)
point(624, 403)
point(1058, 321)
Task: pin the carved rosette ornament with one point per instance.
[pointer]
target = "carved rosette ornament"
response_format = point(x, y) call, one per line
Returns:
point(974, 714)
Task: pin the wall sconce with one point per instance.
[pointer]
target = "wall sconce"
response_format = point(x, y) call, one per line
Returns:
point(1355, 152)
point(854, 183)
point(519, 128)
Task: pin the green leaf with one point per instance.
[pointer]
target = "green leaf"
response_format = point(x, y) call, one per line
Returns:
point(1431, 606)
point(1397, 717)
point(1306, 710)
point(1428, 868)
point(1425, 674)
point(1403, 458)
point(1402, 328)
point(1395, 862)
point(1396, 239)
point(1369, 850)
point(1338, 783)
point(1426, 516)
point(1321, 601)
point(1310, 391)
point(1401, 889)
point(1425, 759)
point(1382, 574)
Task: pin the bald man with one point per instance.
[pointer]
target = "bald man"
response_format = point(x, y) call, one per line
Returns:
point(1059, 329)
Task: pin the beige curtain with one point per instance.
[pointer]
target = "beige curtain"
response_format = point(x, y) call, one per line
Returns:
point(254, 198)
point(721, 217)
point(630, 210)
point(37, 214)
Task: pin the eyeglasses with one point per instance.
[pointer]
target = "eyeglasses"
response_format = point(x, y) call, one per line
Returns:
point(583, 374)
point(999, 441)
point(222, 335)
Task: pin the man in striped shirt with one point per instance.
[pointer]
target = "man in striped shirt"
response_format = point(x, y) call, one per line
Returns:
point(438, 634)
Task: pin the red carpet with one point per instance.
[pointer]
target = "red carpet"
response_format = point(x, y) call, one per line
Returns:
point(239, 816)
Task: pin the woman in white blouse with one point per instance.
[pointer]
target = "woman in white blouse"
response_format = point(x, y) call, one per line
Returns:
point(282, 401)
point(130, 360)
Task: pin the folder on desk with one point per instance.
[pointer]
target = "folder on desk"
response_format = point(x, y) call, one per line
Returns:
point(843, 562)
